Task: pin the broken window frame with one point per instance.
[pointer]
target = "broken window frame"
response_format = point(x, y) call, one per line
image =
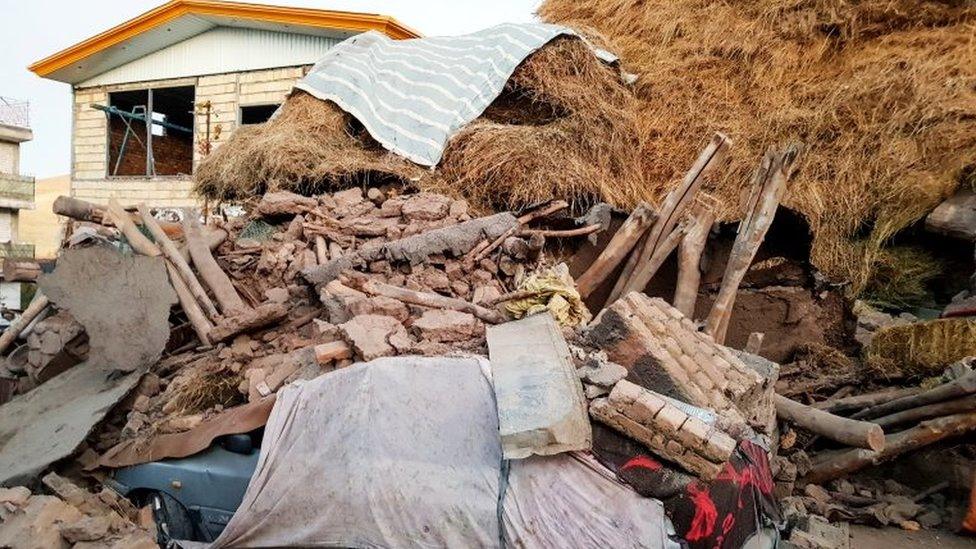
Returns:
point(143, 138)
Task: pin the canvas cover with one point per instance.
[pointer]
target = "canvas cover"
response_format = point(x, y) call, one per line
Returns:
point(405, 452)
point(413, 95)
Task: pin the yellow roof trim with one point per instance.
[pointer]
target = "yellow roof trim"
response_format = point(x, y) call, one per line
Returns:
point(340, 20)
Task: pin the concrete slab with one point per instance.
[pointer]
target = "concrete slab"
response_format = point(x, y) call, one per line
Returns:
point(541, 408)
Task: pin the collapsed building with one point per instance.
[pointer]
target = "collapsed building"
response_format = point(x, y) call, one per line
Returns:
point(664, 313)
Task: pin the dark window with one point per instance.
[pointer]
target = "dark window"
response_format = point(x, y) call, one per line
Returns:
point(256, 114)
point(169, 143)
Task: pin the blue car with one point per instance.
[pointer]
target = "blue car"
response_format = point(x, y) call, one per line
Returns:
point(193, 498)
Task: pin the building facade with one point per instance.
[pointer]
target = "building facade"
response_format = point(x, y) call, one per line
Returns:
point(154, 95)
point(16, 191)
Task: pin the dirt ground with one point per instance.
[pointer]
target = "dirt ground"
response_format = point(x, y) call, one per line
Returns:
point(866, 537)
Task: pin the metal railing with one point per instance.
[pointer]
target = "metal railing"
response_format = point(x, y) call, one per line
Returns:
point(14, 112)
point(16, 187)
point(16, 251)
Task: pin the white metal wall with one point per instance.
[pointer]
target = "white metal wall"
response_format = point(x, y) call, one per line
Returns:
point(220, 50)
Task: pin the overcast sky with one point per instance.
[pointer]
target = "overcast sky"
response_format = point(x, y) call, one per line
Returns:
point(33, 29)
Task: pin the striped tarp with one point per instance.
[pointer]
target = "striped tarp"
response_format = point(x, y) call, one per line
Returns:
point(413, 95)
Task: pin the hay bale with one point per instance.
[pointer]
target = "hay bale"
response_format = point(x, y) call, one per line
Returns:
point(922, 348)
point(883, 92)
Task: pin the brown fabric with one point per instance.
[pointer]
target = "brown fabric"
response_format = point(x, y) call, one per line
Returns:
point(240, 419)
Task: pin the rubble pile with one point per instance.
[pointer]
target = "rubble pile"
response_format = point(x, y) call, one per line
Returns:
point(411, 281)
point(651, 344)
point(73, 516)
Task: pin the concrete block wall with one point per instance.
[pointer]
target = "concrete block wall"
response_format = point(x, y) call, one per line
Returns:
point(226, 93)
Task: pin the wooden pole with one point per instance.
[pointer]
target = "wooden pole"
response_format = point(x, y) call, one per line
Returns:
point(139, 242)
point(321, 250)
point(198, 320)
point(173, 254)
point(566, 233)
point(939, 409)
point(620, 245)
point(431, 300)
point(19, 270)
point(211, 273)
point(637, 273)
point(769, 185)
point(830, 465)
point(35, 308)
point(860, 434)
point(866, 400)
point(959, 387)
point(690, 252)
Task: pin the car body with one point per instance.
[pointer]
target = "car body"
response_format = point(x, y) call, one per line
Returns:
point(193, 498)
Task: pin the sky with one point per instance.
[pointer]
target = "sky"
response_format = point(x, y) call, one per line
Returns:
point(34, 29)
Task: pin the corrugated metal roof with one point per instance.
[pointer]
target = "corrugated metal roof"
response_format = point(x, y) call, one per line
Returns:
point(220, 50)
point(179, 20)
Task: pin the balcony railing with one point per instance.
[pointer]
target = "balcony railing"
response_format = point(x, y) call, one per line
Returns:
point(16, 251)
point(16, 187)
point(14, 112)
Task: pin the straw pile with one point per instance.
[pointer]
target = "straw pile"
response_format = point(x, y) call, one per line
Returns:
point(882, 91)
point(311, 147)
point(565, 125)
point(922, 348)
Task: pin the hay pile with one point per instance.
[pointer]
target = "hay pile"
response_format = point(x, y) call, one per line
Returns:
point(565, 125)
point(921, 348)
point(882, 91)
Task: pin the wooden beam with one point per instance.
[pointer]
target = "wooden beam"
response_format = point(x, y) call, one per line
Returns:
point(768, 188)
point(639, 272)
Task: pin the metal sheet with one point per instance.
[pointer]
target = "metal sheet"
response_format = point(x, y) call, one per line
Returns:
point(220, 50)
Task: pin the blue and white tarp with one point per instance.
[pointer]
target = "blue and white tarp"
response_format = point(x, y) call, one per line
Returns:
point(413, 95)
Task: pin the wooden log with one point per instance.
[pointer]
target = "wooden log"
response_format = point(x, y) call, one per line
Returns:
point(425, 299)
point(866, 400)
point(827, 466)
point(79, 209)
point(860, 434)
point(198, 320)
point(18, 270)
point(35, 308)
point(769, 185)
point(621, 244)
point(321, 250)
point(97, 213)
point(173, 255)
point(549, 209)
point(690, 252)
point(252, 319)
point(211, 273)
point(939, 409)
point(565, 233)
point(638, 273)
point(139, 242)
point(960, 387)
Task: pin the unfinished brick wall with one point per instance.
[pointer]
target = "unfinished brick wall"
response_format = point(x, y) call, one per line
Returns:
point(226, 93)
point(173, 152)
